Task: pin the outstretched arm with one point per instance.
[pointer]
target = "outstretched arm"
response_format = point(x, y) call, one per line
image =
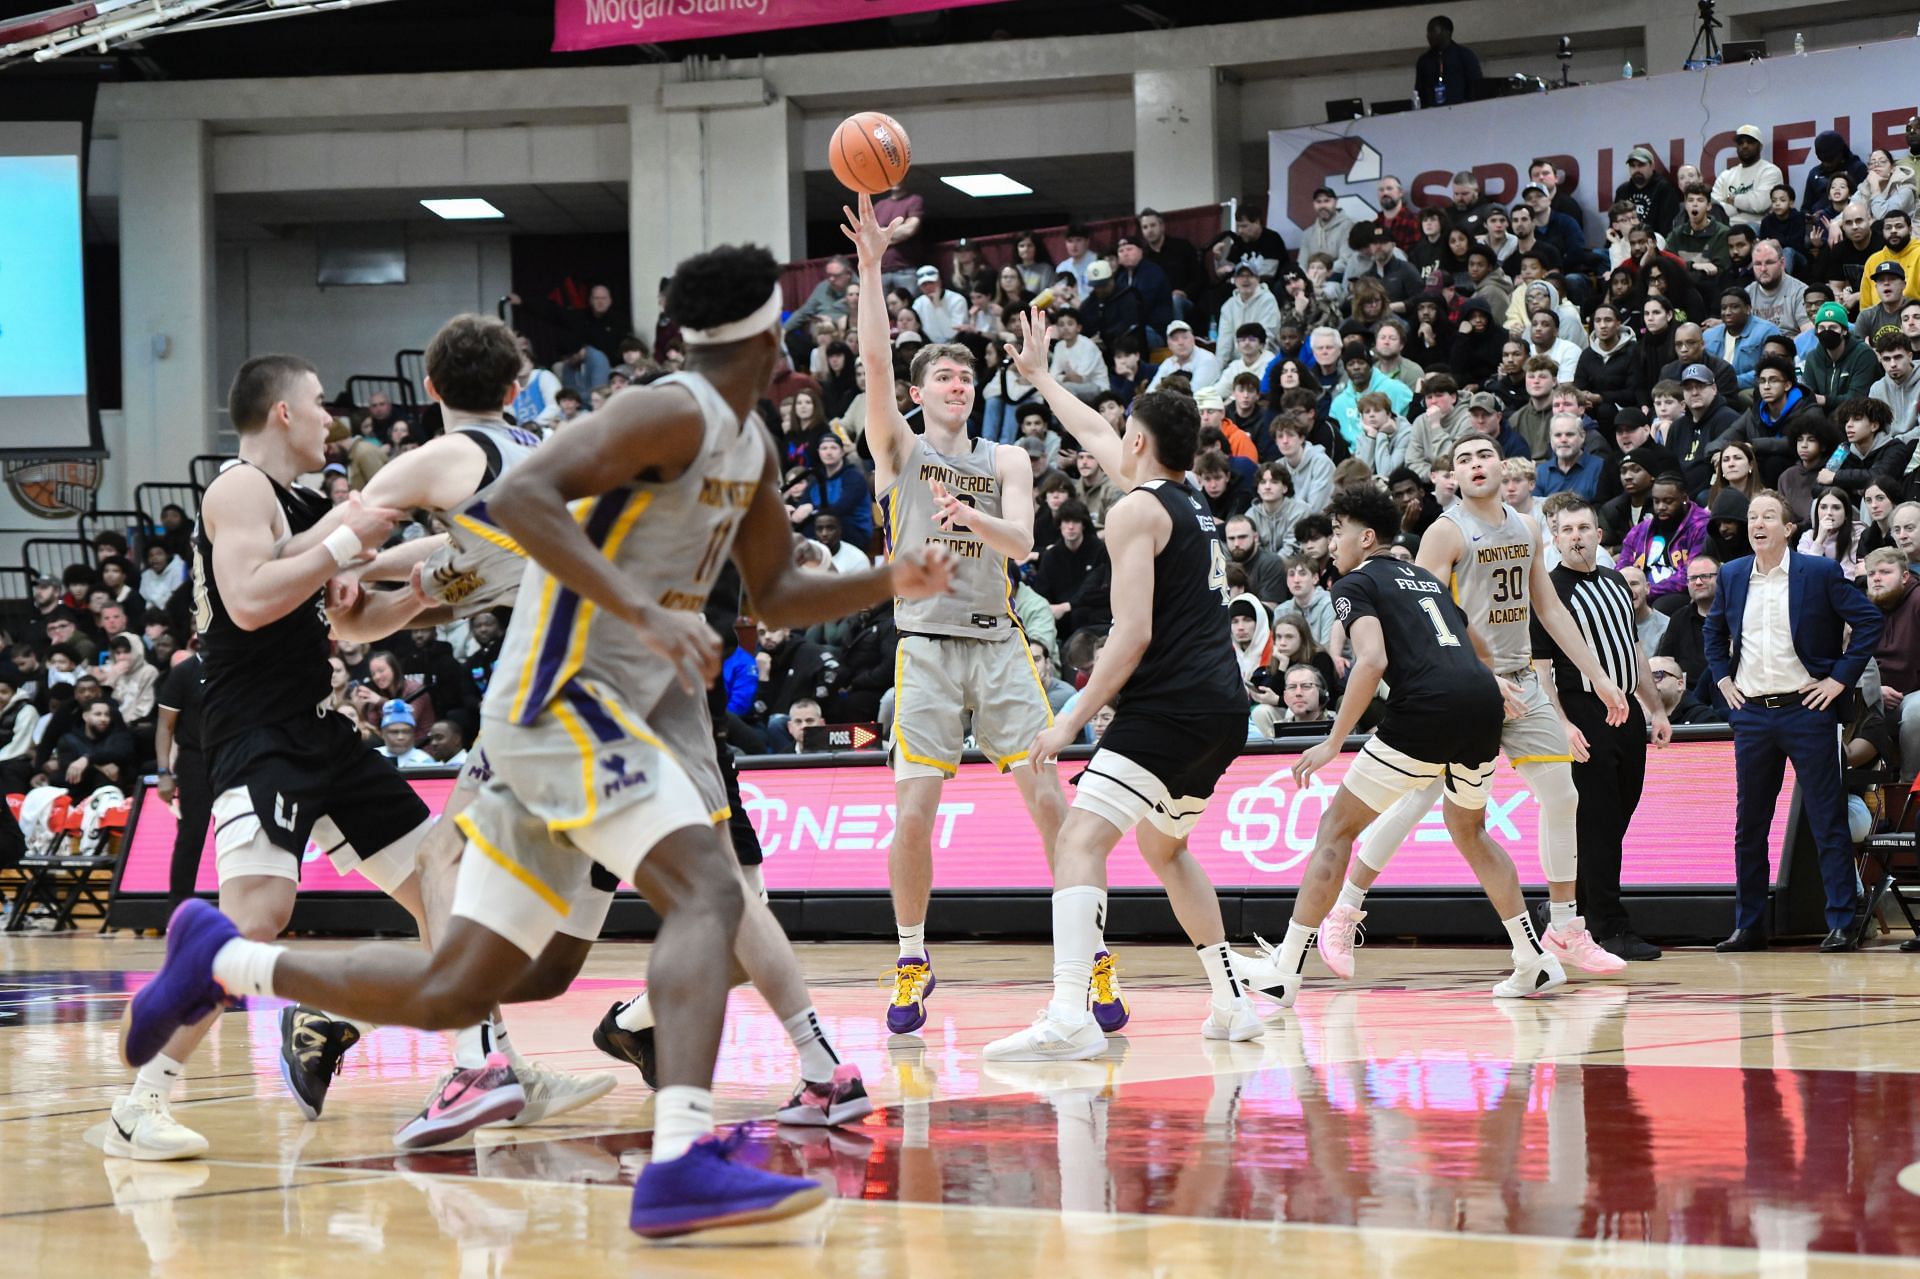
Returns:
point(260, 584)
point(1132, 528)
point(1096, 436)
point(887, 432)
point(785, 595)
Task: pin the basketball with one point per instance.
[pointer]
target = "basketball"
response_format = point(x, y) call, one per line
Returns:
point(870, 153)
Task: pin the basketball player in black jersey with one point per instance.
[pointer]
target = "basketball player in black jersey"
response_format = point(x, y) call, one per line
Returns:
point(283, 767)
point(1444, 713)
point(1181, 717)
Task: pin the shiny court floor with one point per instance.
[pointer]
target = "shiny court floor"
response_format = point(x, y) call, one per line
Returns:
point(1747, 1115)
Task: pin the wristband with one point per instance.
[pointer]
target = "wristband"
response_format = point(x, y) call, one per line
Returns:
point(161, 772)
point(344, 545)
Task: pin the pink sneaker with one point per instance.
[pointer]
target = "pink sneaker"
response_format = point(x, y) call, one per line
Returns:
point(1575, 947)
point(1337, 932)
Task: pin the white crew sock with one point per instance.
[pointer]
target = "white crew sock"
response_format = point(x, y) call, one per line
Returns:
point(470, 1047)
point(1520, 928)
point(817, 1058)
point(1560, 915)
point(1352, 895)
point(1293, 951)
point(1077, 913)
point(1217, 960)
point(159, 1077)
point(913, 940)
point(636, 1014)
point(500, 1041)
point(246, 967)
point(682, 1115)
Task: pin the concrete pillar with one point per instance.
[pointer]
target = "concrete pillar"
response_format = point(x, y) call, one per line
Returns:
point(1186, 137)
point(173, 395)
point(1670, 31)
point(706, 176)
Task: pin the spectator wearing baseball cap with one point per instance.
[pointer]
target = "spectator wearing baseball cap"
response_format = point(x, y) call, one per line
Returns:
point(1185, 355)
point(1901, 246)
point(1841, 365)
point(940, 310)
point(1387, 264)
point(1251, 302)
point(1328, 231)
point(1653, 198)
point(397, 736)
point(1744, 189)
point(1890, 290)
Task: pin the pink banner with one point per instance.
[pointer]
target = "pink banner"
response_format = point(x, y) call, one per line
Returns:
point(827, 829)
point(601, 24)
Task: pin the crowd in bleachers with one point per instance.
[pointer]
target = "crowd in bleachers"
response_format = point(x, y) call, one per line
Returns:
point(1724, 333)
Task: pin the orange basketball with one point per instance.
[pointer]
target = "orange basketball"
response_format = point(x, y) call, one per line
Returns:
point(870, 153)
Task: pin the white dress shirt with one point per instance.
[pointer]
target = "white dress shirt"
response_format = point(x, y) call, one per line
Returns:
point(1768, 663)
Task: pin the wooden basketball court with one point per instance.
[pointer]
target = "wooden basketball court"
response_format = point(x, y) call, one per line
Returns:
point(1744, 1115)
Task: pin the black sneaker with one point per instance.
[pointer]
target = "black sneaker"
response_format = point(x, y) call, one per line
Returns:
point(635, 1047)
point(311, 1046)
point(1630, 947)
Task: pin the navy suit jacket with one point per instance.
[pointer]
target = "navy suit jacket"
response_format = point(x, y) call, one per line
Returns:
point(1821, 604)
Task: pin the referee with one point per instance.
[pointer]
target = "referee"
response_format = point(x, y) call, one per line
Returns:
point(1610, 764)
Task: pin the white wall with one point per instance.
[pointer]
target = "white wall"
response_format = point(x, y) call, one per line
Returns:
point(268, 301)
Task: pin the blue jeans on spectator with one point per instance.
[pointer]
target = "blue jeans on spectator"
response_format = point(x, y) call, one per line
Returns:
point(779, 740)
point(1764, 739)
point(588, 375)
point(1182, 307)
point(1001, 425)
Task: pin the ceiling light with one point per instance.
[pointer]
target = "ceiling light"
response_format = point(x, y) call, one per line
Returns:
point(984, 186)
point(461, 210)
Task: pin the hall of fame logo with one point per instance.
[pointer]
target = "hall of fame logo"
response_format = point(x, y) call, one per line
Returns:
point(54, 488)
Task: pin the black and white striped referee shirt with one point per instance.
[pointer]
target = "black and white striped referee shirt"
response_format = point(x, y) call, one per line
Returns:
point(1602, 605)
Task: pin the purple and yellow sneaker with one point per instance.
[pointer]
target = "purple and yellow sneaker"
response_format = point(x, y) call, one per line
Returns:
point(709, 1187)
point(183, 991)
point(912, 983)
point(840, 1100)
point(464, 1100)
point(1109, 1006)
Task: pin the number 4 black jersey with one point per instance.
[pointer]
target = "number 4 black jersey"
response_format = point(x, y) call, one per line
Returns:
point(1189, 670)
point(1442, 703)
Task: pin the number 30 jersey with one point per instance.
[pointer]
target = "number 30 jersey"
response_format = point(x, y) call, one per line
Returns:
point(1491, 580)
point(1442, 703)
point(1190, 670)
point(670, 538)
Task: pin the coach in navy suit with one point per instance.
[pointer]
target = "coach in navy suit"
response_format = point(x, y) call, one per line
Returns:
point(1774, 644)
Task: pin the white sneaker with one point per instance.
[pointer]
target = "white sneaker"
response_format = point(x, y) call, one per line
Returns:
point(1264, 974)
point(1049, 1040)
point(551, 1093)
point(1237, 1023)
point(1532, 975)
point(144, 1128)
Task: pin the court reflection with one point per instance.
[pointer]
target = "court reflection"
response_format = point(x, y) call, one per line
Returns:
point(1306, 1125)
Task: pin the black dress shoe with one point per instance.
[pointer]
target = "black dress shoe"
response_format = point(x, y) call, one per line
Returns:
point(1837, 940)
point(1743, 939)
point(1630, 947)
point(1910, 945)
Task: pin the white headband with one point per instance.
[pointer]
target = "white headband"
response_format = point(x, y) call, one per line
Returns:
point(760, 321)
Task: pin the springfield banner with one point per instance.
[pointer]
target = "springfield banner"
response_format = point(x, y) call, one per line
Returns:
point(602, 24)
point(1866, 94)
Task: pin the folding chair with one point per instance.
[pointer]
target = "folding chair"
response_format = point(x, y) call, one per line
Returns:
point(75, 878)
point(204, 469)
point(52, 556)
point(1890, 863)
point(410, 366)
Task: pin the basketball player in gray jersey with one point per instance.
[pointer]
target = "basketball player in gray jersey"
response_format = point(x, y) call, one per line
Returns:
point(476, 565)
point(1490, 556)
point(964, 654)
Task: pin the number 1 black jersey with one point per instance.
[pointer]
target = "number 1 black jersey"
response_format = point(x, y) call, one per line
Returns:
point(1442, 703)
